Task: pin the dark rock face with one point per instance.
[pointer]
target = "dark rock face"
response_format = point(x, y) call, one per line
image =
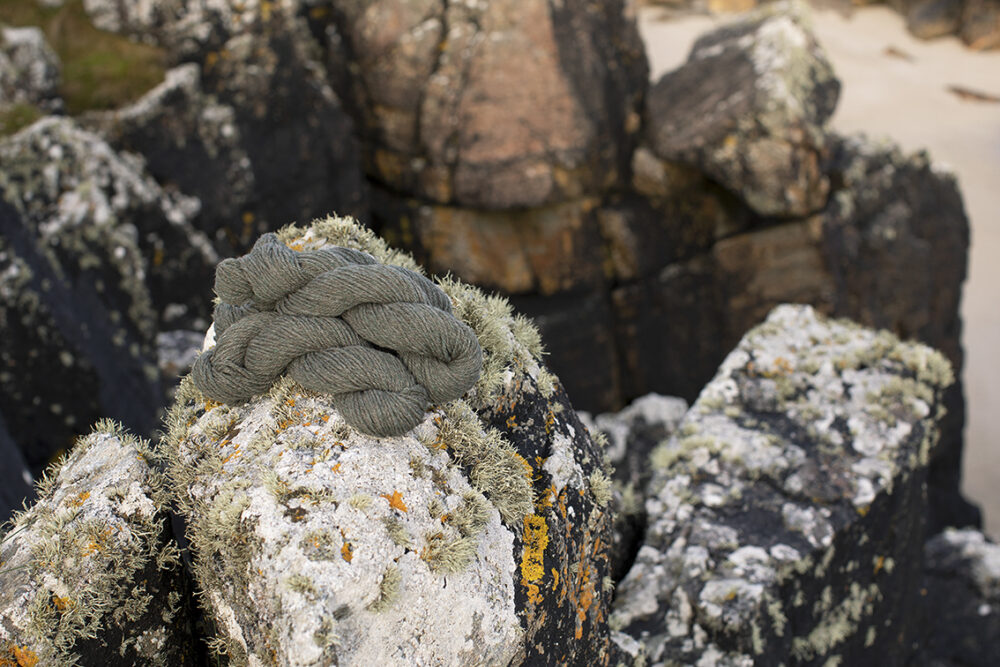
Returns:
point(78, 317)
point(494, 106)
point(962, 599)
point(15, 480)
point(786, 515)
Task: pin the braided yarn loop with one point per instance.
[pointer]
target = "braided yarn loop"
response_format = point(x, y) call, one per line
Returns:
point(380, 340)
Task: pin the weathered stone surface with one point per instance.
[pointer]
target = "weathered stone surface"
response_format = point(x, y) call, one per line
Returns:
point(190, 142)
point(15, 479)
point(75, 313)
point(314, 544)
point(491, 105)
point(962, 599)
point(544, 250)
point(272, 135)
point(934, 18)
point(29, 70)
point(628, 438)
point(787, 513)
point(981, 24)
point(748, 108)
point(91, 574)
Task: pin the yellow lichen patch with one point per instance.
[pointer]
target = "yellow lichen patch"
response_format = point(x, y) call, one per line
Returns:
point(534, 595)
point(395, 501)
point(18, 656)
point(347, 552)
point(78, 500)
point(62, 604)
point(879, 564)
point(528, 470)
point(535, 539)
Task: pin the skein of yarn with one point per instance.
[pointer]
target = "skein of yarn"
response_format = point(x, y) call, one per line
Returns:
point(380, 339)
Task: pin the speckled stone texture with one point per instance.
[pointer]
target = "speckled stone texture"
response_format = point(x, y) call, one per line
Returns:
point(481, 537)
point(961, 596)
point(786, 516)
point(92, 250)
point(90, 574)
point(29, 70)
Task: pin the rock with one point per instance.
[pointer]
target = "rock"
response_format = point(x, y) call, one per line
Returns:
point(748, 108)
point(190, 143)
point(89, 246)
point(177, 350)
point(315, 544)
point(494, 105)
point(628, 438)
point(934, 18)
point(15, 479)
point(962, 599)
point(981, 24)
point(544, 250)
point(90, 571)
point(888, 250)
point(786, 515)
point(29, 70)
point(257, 115)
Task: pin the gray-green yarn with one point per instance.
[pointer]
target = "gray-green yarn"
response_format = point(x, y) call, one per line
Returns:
point(381, 340)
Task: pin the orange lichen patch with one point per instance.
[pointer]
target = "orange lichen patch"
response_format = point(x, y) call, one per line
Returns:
point(18, 656)
point(511, 422)
point(879, 564)
point(77, 501)
point(336, 467)
point(346, 551)
point(534, 595)
point(62, 604)
point(158, 257)
point(547, 499)
point(395, 501)
point(97, 544)
point(550, 420)
point(528, 470)
point(535, 538)
point(555, 578)
point(210, 404)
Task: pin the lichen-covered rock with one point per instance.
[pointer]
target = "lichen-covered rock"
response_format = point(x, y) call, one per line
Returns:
point(748, 108)
point(961, 599)
point(786, 516)
point(190, 142)
point(981, 24)
point(90, 248)
point(480, 537)
point(29, 70)
point(90, 572)
point(504, 104)
point(928, 19)
point(278, 144)
point(628, 437)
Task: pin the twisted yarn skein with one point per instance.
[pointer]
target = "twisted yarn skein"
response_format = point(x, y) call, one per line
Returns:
point(380, 340)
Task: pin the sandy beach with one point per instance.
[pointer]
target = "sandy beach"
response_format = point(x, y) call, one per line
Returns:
point(897, 87)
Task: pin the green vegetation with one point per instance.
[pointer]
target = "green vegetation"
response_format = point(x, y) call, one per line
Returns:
point(100, 70)
point(17, 116)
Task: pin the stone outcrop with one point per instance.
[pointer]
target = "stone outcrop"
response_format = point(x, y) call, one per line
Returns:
point(90, 572)
point(92, 253)
point(497, 105)
point(786, 515)
point(29, 70)
point(748, 109)
point(313, 543)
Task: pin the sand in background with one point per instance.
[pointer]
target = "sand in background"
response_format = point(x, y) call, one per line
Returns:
point(908, 101)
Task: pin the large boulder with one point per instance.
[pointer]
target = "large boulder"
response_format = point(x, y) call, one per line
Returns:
point(90, 572)
point(493, 105)
point(92, 252)
point(314, 543)
point(29, 70)
point(787, 514)
point(748, 108)
point(255, 113)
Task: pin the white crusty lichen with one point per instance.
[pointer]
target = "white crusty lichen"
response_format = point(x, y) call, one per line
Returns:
point(808, 424)
point(315, 543)
point(73, 563)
